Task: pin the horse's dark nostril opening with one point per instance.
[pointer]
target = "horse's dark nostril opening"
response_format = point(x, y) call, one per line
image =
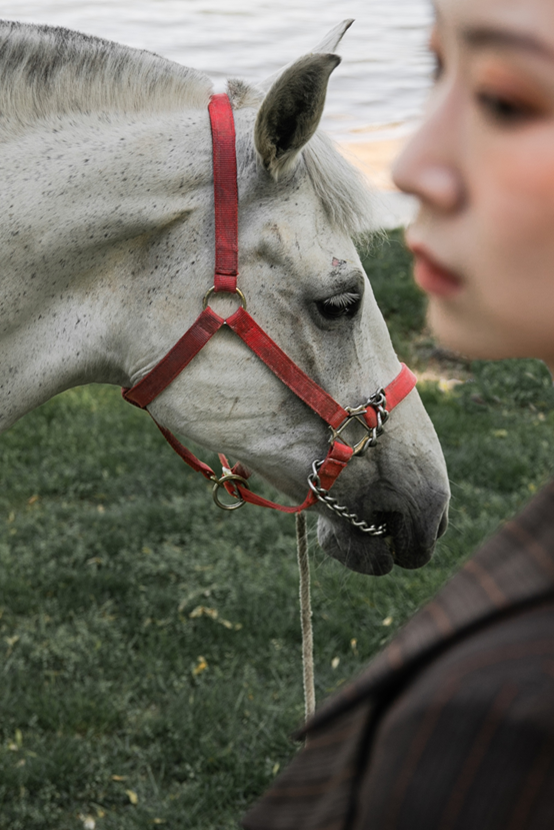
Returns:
point(443, 524)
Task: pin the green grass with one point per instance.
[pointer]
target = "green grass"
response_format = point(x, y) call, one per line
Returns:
point(117, 677)
point(388, 265)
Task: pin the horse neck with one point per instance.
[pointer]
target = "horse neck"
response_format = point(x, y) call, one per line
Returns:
point(87, 207)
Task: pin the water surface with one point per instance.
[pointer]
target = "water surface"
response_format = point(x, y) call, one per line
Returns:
point(383, 79)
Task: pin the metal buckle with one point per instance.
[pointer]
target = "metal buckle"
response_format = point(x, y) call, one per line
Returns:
point(378, 402)
point(211, 290)
point(220, 482)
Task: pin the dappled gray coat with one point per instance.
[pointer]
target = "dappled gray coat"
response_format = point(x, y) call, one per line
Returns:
point(452, 726)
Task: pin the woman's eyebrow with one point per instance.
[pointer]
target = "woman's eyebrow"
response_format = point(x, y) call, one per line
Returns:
point(482, 37)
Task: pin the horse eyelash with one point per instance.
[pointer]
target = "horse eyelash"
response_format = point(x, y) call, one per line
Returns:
point(342, 300)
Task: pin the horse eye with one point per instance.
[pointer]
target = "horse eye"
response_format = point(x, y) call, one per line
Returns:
point(340, 306)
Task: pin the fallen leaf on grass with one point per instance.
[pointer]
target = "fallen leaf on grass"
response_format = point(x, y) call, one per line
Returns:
point(203, 611)
point(213, 614)
point(133, 797)
point(335, 662)
point(33, 499)
point(200, 667)
point(387, 621)
point(119, 777)
point(17, 743)
point(448, 385)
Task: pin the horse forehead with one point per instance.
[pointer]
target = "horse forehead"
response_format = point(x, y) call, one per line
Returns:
point(294, 224)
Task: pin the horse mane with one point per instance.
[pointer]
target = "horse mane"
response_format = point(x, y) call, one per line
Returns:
point(342, 189)
point(48, 71)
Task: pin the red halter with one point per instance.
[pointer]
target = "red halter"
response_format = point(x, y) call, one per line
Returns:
point(372, 415)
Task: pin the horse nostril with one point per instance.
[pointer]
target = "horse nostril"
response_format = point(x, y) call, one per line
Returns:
point(443, 524)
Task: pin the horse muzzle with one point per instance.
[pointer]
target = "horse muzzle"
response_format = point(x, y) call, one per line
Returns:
point(412, 532)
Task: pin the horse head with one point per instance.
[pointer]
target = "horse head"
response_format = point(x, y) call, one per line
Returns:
point(116, 249)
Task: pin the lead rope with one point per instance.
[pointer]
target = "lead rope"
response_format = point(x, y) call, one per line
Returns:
point(305, 614)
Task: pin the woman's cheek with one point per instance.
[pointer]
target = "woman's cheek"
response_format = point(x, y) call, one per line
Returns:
point(518, 189)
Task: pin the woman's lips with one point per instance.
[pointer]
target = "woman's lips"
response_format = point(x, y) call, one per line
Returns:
point(432, 277)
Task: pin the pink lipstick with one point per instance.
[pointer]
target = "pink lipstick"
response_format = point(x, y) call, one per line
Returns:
point(434, 278)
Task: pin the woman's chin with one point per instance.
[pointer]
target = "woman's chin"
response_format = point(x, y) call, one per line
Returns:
point(451, 333)
point(462, 335)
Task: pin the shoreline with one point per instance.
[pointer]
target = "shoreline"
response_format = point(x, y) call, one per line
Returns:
point(374, 159)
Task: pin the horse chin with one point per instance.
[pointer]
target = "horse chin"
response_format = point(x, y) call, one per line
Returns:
point(372, 555)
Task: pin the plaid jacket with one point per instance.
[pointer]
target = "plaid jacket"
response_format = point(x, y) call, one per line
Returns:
point(451, 727)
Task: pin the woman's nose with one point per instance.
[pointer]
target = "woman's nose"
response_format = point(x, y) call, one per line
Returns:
point(429, 167)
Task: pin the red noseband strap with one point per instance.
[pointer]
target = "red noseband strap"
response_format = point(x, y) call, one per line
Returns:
point(245, 327)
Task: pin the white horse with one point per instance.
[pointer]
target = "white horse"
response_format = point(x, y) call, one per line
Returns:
point(107, 243)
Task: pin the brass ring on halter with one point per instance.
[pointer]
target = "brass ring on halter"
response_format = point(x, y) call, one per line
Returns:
point(220, 482)
point(211, 290)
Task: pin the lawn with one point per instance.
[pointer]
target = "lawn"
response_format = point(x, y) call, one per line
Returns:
point(150, 644)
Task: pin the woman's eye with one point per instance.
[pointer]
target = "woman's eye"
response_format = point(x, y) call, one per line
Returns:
point(503, 109)
point(340, 306)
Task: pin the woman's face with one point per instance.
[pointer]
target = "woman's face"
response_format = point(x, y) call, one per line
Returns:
point(482, 165)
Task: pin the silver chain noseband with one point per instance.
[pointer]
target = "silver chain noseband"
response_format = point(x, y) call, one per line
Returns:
point(378, 402)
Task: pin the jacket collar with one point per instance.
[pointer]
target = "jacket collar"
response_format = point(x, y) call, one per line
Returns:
point(512, 569)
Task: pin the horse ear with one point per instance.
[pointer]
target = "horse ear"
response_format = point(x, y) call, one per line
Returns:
point(329, 44)
point(291, 111)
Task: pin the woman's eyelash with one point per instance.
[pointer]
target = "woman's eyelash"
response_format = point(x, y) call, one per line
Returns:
point(502, 109)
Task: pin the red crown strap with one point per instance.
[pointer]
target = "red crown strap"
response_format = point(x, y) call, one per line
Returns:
point(225, 193)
